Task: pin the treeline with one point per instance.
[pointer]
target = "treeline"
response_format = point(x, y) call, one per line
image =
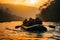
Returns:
point(51, 13)
point(6, 16)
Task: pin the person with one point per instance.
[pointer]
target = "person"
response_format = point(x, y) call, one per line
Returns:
point(38, 21)
point(33, 20)
point(30, 21)
point(32, 27)
point(25, 22)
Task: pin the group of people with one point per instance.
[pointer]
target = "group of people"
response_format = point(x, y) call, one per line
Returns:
point(32, 21)
point(34, 26)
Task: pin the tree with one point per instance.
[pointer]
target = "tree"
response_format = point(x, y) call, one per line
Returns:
point(52, 12)
point(6, 15)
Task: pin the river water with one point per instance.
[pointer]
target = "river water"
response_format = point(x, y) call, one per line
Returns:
point(8, 32)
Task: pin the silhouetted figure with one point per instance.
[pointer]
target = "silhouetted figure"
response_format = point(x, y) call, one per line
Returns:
point(25, 22)
point(38, 21)
point(34, 26)
point(30, 21)
point(33, 20)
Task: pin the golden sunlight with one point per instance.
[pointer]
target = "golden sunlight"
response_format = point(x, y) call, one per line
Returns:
point(31, 2)
point(26, 2)
point(34, 3)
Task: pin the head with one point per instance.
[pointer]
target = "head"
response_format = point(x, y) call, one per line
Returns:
point(37, 18)
point(25, 19)
point(30, 18)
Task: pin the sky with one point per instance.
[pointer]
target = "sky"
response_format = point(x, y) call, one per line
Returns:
point(26, 12)
point(34, 3)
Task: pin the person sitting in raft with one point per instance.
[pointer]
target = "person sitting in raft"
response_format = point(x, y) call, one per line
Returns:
point(38, 21)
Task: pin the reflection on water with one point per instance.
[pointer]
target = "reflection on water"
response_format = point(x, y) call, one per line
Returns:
point(8, 32)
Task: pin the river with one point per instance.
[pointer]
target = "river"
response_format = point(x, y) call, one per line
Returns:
point(8, 32)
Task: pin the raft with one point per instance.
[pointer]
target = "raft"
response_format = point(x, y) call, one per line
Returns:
point(34, 28)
